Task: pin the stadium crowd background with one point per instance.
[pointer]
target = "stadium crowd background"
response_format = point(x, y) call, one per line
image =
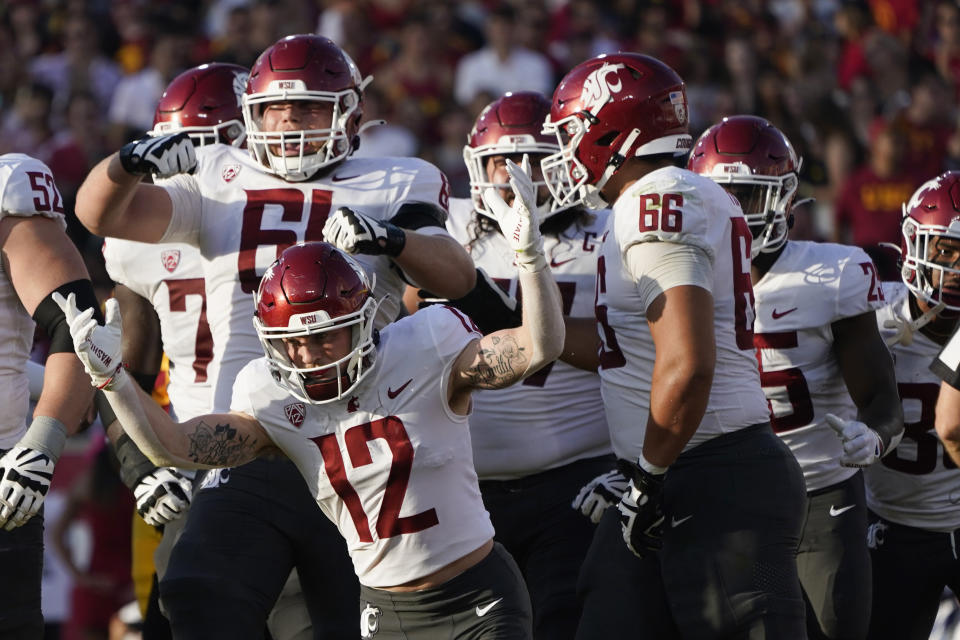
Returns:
point(866, 90)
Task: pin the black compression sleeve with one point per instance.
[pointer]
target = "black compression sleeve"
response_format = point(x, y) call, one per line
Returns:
point(416, 215)
point(50, 318)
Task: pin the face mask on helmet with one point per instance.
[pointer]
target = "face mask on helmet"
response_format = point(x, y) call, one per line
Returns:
point(765, 201)
point(931, 242)
point(302, 299)
point(309, 75)
point(509, 126)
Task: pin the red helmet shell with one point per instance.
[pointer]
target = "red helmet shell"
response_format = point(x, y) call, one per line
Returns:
point(515, 118)
point(202, 98)
point(614, 107)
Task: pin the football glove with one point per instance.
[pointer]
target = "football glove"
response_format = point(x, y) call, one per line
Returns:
point(517, 223)
point(489, 306)
point(24, 484)
point(641, 519)
point(862, 446)
point(97, 347)
point(599, 494)
point(163, 495)
point(161, 156)
point(355, 232)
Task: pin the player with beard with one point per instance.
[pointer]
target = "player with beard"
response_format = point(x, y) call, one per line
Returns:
point(301, 107)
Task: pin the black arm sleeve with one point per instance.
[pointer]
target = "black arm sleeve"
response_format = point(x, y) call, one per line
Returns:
point(50, 318)
point(947, 363)
point(416, 215)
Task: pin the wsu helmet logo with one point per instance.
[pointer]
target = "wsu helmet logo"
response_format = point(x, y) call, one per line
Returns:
point(240, 85)
point(598, 89)
point(295, 413)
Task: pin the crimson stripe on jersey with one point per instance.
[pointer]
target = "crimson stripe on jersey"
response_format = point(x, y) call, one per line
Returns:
point(775, 340)
point(464, 319)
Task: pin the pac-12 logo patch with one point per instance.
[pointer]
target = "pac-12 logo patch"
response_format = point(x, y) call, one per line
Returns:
point(170, 259)
point(295, 413)
point(229, 171)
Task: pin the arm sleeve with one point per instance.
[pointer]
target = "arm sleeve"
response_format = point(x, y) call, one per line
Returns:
point(187, 210)
point(658, 266)
point(947, 363)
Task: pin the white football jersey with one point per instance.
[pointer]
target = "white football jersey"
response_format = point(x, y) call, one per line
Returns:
point(556, 415)
point(917, 483)
point(390, 465)
point(26, 189)
point(170, 276)
point(676, 205)
point(809, 287)
point(242, 218)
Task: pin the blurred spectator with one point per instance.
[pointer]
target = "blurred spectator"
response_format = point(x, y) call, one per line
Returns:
point(81, 65)
point(389, 139)
point(26, 129)
point(101, 583)
point(925, 124)
point(502, 66)
point(135, 100)
point(868, 209)
point(79, 146)
point(944, 48)
point(853, 24)
point(233, 45)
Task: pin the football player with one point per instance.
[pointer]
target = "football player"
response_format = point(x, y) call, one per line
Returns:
point(37, 259)
point(375, 421)
point(537, 443)
point(912, 493)
point(301, 107)
point(715, 504)
point(947, 366)
point(824, 365)
point(162, 296)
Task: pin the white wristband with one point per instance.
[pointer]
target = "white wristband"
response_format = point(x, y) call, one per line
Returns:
point(649, 467)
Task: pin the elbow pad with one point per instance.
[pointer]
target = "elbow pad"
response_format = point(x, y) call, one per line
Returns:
point(50, 318)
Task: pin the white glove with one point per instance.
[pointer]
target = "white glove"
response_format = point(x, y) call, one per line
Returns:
point(162, 156)
point(97, 347)
point(26, 480)
point(163, 495)
point(599, 494)
point(355, 232)
point(517, 223)
point(862, 446)
point(906, 328)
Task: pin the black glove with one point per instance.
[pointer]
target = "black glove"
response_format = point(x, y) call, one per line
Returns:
point(355, 232)
point(641, 519)
point(489, 306)
point(161, 156)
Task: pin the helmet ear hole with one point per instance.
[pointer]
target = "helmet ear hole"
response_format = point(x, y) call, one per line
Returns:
point(607, 139)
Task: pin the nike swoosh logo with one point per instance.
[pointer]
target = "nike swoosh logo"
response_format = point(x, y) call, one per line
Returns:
point(675, 522)
point(482, 611)
point(554, 263)
point(343, 178)
point(777, 316)
point(393, 394)
point(835, 512)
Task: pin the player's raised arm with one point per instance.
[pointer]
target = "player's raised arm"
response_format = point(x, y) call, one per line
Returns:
point(504, 357)
point(204, 442)
point(113, 202)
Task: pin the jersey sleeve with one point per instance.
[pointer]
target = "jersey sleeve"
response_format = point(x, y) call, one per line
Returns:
point(244, 387)
point(427, 185)
point(666, 208)
point(27, 189)
point(859, 290)
point(114, 261)
point(186, 209)
point(450, 330)
point(946, 365)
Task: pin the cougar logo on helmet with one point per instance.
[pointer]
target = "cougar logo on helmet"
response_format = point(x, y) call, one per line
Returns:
point(597, 89)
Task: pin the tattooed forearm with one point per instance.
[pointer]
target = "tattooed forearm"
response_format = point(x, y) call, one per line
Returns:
point(501, 362)
point(220, 445)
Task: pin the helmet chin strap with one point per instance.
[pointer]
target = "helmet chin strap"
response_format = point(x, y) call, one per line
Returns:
point(592, 197)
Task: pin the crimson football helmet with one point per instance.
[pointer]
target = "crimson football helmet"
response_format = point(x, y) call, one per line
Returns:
point(933, 212)
point(755, 162)
point(311, 289)
point(509, 125)
point(312, 68)
point(205, 103)
point(606, 110)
